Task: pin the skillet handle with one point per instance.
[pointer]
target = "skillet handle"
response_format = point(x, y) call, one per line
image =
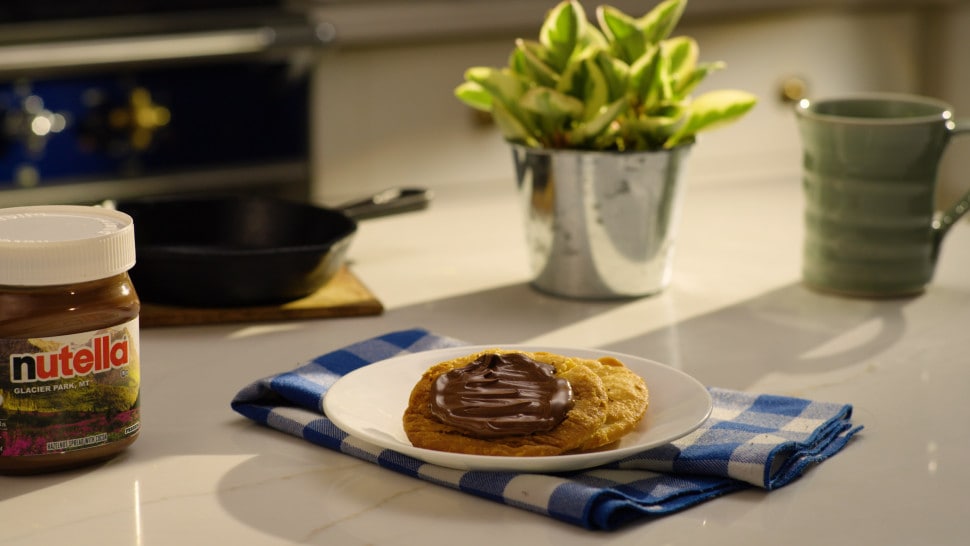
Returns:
point(387, 202)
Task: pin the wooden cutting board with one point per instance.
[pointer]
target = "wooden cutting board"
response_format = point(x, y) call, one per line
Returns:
point(343, 296)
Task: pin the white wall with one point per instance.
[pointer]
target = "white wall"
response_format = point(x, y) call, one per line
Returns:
point(386, 116)
point(952, 49)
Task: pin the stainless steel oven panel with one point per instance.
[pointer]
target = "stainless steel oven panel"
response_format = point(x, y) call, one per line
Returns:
point(76, 54)
point(183, 100)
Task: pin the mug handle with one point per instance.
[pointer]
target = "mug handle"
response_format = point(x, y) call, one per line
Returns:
point(945, 221)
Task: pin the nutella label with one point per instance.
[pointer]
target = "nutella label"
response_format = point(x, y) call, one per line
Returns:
point(66, 393)
point(101, 355)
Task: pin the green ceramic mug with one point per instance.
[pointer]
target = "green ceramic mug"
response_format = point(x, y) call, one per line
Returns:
point(869, 180)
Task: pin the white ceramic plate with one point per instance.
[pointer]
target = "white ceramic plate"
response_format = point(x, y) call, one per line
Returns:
point(369, 403)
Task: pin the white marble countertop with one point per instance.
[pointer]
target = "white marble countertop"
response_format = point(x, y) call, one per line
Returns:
point(735, 316)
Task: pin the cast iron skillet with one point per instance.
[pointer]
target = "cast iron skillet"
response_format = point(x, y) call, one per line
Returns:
point(230, 251)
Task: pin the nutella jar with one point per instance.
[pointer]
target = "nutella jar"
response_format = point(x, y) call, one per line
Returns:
point(69, 353)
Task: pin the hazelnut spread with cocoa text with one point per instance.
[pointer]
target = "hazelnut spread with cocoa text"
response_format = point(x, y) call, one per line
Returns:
point(69, 346)
point(501, 395)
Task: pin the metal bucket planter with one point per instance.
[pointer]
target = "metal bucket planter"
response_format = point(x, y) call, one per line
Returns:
point(600, 225)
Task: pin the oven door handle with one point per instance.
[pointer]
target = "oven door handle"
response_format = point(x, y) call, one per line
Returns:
point(154, 47)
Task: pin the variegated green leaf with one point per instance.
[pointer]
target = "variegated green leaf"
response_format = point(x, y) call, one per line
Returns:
point(513, 128)
point(474, 95)
point(595, 78)
point(560, 31)
point(553, 113)
point(597, 91)
point(661, 125)
point(572, 81)
point(506, 88)
point(551, 104)
point(711, 110)
point(591, 37)
point(503, 84)
point(686, 85)
point(532, 59)
point(517, 63)
point(600, 121)
point(647, 132)
point(682, 60)
point(661, 86)
point(624, 36)
point(643, 74)
point(616, 72)
point(659, 22)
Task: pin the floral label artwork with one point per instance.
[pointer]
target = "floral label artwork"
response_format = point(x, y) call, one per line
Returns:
point(66, 393)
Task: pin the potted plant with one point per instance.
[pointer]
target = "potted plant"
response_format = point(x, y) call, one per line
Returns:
point(600, 119)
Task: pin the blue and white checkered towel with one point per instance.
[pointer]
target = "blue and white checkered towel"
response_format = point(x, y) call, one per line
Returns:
point(749, 440)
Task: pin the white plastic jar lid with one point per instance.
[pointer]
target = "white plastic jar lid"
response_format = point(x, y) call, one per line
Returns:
point(64, 244)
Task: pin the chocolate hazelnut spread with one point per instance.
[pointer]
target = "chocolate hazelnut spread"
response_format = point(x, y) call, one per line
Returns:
point(69, 350)
point(501, 395)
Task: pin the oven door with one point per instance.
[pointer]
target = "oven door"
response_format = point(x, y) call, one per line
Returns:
point(163, 101)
